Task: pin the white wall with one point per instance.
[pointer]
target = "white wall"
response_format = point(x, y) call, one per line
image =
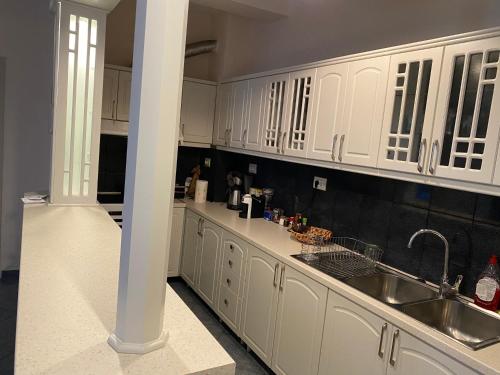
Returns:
point(26, 39)
point(321, 29)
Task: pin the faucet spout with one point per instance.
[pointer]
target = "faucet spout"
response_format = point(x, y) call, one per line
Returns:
point(445, 287)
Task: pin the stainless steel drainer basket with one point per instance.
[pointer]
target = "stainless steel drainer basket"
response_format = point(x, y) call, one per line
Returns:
point(342, 256)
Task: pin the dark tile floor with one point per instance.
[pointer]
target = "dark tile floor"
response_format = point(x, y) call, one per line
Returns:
point(246, 363)
point(8, 310)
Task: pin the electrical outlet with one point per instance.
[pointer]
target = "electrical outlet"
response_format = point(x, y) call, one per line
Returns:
point(208, 162)
point(252, 168)
point(319, 183)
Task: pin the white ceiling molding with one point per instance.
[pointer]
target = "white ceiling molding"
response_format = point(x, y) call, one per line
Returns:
point(257, 9)
point(106, 5)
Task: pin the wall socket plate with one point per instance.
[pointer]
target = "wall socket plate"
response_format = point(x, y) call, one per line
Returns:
point(319, 183)
point(252, 168)
point(208, 162)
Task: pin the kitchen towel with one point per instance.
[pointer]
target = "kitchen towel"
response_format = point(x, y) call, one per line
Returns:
point(200, 194)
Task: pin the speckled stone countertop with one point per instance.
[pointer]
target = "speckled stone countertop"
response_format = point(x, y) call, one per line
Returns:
point(67, 304)
point(275, 240)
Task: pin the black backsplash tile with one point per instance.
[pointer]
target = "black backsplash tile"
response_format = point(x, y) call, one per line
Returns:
point(377, 210)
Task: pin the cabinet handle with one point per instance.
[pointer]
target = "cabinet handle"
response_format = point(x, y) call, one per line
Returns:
point(341, 146)
point(231, 247)
point(382, 334)
point(113, 113)
point(243, 138)
point(283, 143)
point(199, 226)
point(225, 302)
point(228, 281)
point(276, 268)
point(281, 277)
point(278, 138)
point(421, 155)
point(230, 263)
point(228, 137)
point(434, 151)
point(392, 360)
point(225, 138)
point(202, 221)
point(333, 146)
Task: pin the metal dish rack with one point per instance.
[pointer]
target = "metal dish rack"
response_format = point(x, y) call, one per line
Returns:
point(341, 257)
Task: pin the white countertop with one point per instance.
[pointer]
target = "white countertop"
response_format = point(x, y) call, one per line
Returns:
point(67, 304)
point(275, 240)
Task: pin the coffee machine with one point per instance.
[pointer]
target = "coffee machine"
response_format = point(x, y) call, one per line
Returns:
point(234, 183)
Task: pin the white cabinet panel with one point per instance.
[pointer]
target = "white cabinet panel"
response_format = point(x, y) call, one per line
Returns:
point(466, 129)
point(176, 241)
point(329, 98)
point(197, 112)
point(109, 93)
point(410, 356)
point(276, 109)
point(409, 110)
point(260, 303)
point(298, 114)
point(256, 114)
point(239, 119)
point(299, 327)
point(209, 253)
point(223, 114)
point(123, 100)
point(355, 341)
point(190, 244)
point(363, 113)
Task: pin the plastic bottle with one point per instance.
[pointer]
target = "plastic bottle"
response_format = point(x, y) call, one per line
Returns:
point(488, 286)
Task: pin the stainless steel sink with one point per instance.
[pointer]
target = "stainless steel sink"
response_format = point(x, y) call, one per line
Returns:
point(457, 320)
point(392, 289)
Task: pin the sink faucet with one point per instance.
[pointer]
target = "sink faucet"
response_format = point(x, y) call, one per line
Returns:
point(445, 288)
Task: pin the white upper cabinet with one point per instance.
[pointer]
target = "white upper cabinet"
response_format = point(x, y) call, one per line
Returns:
point(123, 101)
point(237, 127)
point(252, 136)
point(465, 137)
point(276, 100)
point(109, 93)
point(328, 104)
point(223, 114)
point(197, 112)
point(298, 114)
point(409, 110)
point(363, 112)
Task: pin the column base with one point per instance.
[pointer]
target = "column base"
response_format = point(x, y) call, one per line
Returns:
point(136, 348)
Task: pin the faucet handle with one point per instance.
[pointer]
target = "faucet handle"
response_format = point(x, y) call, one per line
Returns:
point(458, 281)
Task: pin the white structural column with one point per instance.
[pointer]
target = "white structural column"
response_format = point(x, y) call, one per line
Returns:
point(159, 43)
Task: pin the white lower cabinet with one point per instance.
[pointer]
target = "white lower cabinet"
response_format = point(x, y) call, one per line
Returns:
point(299, 324)
point(358, 342)
point(191, 240)
point(260, 303)
point(176, 241)
point(283, 315)
point(209, 253)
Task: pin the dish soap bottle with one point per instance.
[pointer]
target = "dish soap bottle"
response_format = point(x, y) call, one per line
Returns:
point(488, 286)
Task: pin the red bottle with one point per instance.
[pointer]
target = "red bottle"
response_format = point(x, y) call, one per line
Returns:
point(488, 286)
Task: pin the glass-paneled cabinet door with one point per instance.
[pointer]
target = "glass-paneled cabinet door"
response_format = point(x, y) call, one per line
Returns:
point(298, 115)
point(466, 128)
point(276, 100)
point(409, 111)
point(329, 98)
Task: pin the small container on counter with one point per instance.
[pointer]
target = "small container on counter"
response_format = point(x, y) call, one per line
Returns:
point(277, 213)
point(268, 215)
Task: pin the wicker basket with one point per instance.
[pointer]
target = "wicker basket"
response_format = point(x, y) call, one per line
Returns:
point(313, 236)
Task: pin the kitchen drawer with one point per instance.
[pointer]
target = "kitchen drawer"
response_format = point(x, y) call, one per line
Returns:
point(232, 259)
point(228, 305)
point(231, 280)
